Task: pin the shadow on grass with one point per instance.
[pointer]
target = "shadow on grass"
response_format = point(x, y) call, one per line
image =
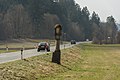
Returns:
point(66, 67)
point(25, 60)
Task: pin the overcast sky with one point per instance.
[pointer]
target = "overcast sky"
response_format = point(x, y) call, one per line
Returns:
point(103, 8)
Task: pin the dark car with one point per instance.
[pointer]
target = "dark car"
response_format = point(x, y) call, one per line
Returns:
point(73, 42)
point(43, 46)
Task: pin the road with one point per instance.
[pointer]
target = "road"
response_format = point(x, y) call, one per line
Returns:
point(12, 56)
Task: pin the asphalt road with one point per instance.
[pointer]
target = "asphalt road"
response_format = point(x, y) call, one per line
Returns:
point(12, 56)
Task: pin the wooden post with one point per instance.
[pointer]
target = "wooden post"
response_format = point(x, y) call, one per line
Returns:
point(57, 53)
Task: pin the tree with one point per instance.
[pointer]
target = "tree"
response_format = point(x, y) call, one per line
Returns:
point(112, 25)
point(86, 23)
point(97, 28)
point(118, 37)
point(33, 13)
point(17, 23)
point(2, 37)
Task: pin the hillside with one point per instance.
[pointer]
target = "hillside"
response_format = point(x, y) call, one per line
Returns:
point(36, 19)
point(82, 62)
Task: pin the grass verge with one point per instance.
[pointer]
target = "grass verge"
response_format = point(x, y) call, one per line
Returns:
point(18, 44)
point(82, 62)
point(4, 51)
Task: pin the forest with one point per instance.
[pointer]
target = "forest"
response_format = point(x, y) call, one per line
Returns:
point(36, 19)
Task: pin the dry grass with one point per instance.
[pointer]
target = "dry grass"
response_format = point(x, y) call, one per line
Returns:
point(5, 51)
point(36, 67)
point(26, 43)
point(15, 45)
point(82, 62)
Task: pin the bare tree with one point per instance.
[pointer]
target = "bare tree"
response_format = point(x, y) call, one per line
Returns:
point(17, 23)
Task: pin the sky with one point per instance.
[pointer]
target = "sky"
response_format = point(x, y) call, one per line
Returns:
point(103, 8)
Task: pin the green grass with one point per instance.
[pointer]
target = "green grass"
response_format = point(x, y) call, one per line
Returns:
point(82, 62)
point(15, 45)
point(18, 43)
point(4, 51)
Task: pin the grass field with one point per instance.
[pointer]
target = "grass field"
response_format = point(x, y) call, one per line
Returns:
point(17, 44)
point(20, 43)
point(5, 51)
point(82, 62)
